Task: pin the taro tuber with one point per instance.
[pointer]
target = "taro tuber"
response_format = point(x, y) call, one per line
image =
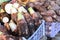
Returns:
point(48, 19)
point(5, 17)
point(39, 14)
point(58, 12)
point(2, 37)
point(35, 17)
point(22, 25)
point(10, 37)
point(14, 14)
point(56, 18)
point(48, 13)
point(28, 19)
point(54, 6)
point(3, 5)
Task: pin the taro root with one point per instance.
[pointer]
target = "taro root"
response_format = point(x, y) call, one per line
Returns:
point(16, 5)
point(54, 6)
point(22, 25)
point(48, 13)
point(8, 8)
point(40, 8)
point(46, 4)
point(58, 2)
point(0, 16)
point(20, 38)
point(14, 14)
point(39, 14)
point(35, 17)
point(30, 4)
point(6, 25)
point(43, 13)
point(12, 10)
point(5, 20)
point(10, 37)
point(3, 5)
point(2, 28)
point(28, 19)
point(37, 6)
point(2, 36)
point(58, 12)
point(48, 19)
point(5, 17)
point(56, 17)
point(13, 26)
point(39, 3)
point(42, 0)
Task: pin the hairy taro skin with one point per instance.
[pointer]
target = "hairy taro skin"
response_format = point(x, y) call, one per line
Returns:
point(48, 19)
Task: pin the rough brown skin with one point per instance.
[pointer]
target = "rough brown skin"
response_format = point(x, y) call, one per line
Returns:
point(39, 14)
point(38, 5)
point(54, 16)
point(22, 27)
point(46, 4)
point(2, 37)
point(14, 17)
point(40, 8)
point(4, 14)
point(57, 18)
point(0, 16)
point(3, 29)
point(11, 37)
point(30, 22)
point(7, 26)
point(58, 12)
point(3, 5)
point(48, 18)
point(48, 13)
point(36, 19)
